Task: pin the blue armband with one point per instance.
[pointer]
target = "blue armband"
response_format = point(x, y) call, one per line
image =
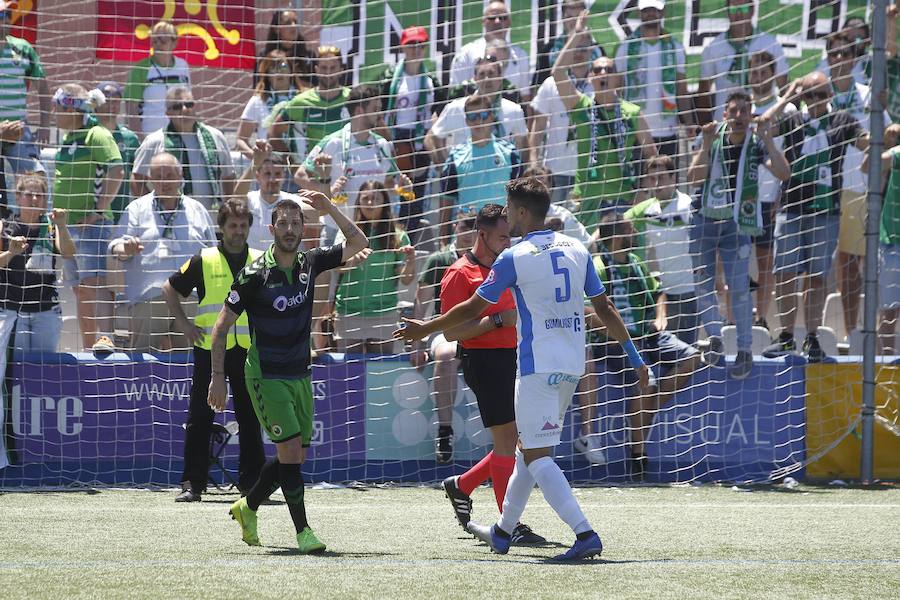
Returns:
point(634, 357)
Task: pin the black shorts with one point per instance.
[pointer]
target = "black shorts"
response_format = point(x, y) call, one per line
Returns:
point(491, 375)
point(661, 351)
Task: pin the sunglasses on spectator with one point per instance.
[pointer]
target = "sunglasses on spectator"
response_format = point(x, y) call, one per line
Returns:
point(597, 69)
point(498, 18)
point(177, 106)
point(815, 95)
point(281, 67)
point(474, 117)
point(740, 10)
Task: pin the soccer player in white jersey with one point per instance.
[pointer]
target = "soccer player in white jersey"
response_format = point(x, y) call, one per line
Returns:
point(549, 274)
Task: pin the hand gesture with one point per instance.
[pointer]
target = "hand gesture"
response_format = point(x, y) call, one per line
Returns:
point(217, 393)
point(317, 200)
point(193, 333)
point(794, 91)
point(581, 22)
point(261, 151)
point(322, 165)
point(408, 250)
point(132, 246)
point(709, 131)
point(17, 245)
point(509, 317)
point(58, 216)
point(42, 136)
point(646, 380)
point(338, 186)
point(358, 258)
point(11, 131)
point(413, 330)
point(764, 129)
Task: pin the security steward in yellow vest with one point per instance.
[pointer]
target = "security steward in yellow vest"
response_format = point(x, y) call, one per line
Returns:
point(211, 273)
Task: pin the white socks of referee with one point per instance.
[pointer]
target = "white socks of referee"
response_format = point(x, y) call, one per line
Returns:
point(555, 487)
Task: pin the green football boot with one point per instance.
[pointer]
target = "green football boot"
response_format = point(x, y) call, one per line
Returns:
point(309, 543)
point(246, 518)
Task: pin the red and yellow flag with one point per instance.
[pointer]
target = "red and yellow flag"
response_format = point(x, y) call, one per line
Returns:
point(211, 33)
point(24, 20)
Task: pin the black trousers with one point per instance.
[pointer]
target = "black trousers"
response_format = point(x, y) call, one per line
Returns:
point(200, 418)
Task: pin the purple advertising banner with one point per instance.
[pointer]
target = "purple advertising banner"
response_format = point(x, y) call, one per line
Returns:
point(122, 421)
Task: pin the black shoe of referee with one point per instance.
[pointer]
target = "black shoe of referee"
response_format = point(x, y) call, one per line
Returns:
point(522, 535)
point(443, 445)
point(461, 503)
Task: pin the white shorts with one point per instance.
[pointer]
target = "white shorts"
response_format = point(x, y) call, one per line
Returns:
point(542, 400)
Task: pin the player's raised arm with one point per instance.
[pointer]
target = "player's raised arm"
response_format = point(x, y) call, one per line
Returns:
point(560, 71)
point(463, 312)
point(218, 393)
point(355, 239)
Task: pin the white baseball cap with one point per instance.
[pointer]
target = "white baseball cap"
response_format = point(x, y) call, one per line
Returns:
point(657, 4)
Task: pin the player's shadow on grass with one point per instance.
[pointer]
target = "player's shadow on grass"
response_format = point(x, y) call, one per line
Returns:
point(287, 551)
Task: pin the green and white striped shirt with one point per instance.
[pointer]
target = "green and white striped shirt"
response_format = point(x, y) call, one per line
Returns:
point(18, 62)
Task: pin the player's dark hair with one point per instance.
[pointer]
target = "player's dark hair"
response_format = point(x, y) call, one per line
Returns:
point(284, 206)
point(359, 96)
point(531, 194)
point(662, 162)
point(236, 208)
point(738, 95)
point(614, 225)
point(489, 216)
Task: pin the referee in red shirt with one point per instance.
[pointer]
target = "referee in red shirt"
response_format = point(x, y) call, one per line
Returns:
point(487, 349)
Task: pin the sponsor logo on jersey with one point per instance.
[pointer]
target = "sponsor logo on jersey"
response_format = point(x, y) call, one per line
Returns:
point(554, 379)
point(282, 303)
point(233, 297)
point(490, 278)
point(548, 426)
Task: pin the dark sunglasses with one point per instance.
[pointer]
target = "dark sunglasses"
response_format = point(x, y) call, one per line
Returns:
point(499, 18)
point(473, 117)
point(740, 10)
point(597, 69)
point(177, 106)
point(815, 95)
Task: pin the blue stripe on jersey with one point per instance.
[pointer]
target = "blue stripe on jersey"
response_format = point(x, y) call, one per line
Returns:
point(592, 285)
point(526, 330)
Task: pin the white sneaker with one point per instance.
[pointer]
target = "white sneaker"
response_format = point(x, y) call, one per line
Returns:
point(589, 447)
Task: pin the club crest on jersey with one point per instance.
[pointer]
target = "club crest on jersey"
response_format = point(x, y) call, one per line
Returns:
point(304, 278)
point(233, 297)
point(276, 430)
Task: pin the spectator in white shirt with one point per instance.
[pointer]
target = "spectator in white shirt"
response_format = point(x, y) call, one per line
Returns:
point(275, 87)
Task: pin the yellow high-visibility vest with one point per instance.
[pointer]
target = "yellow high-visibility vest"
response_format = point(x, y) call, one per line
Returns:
point(217, 280)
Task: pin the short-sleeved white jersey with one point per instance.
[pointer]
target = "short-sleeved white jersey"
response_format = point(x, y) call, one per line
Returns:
point(549, 274)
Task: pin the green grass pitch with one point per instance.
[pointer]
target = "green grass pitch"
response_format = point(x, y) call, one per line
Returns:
point(402, 542)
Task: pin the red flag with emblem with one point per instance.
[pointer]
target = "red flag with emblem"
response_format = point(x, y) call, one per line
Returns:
point(211, 33)
point(23, 23)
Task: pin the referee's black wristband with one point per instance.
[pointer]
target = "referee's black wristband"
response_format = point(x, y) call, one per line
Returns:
point(497, 319)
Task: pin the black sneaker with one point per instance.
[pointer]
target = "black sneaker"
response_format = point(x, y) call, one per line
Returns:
point(188, 495)
point(783, 346)
point(522, 535)
point(443, 444)
point(461, 503)
point(761, 323)
point(743, 364)
point(812, 350)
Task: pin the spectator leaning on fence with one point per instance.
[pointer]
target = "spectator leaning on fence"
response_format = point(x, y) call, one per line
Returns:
point(440, 351)
point(612, 135)
point(347, 158)
point(202, 151)
point(151, 78)
point(88, 175)
point(729, 214)
point(662, 226)
point(806, 234)
point(274, 89)
point(127, 141)
point(21, 68)
point(311, 115)
point(31, 241)
point(549, 141)
point(765, 95)
point(211, 272)
point(366, 299)
point(496, 21)
point(155, 236)
point(450, 129)
point(725, 62)
point(409, 94)
point(476, 173)
point(652, 61)
point(856, 99)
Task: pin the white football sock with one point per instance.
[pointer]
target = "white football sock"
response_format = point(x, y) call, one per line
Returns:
point(558, 493)
point(518, 491)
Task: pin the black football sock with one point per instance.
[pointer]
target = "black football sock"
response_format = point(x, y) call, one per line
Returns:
point(292, 488)
point(265, 486)
point(584, 534)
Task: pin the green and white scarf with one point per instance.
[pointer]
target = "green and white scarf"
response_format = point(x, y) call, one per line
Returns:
point(813, 168)
point(617, 132)
point(718, 200)
point(636, 76)
point(630, 292)
point(421, 101)
point(174, 144)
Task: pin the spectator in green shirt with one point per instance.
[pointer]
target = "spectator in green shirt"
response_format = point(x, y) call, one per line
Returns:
point(88, 175)
point(366, 301)
point(108, 116)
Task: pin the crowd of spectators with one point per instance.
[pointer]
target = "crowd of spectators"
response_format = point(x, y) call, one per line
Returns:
point(692, 195)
